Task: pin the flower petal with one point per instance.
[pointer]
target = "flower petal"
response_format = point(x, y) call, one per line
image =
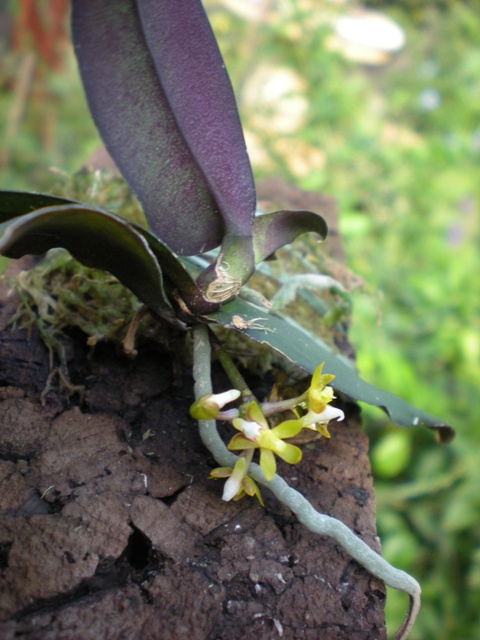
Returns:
point(288, 452)
point(220, 472)
point(330, 413)
point(287, 429)
point(221, 399)
point(248, 485)
point(239, 495)
point(249, 428)
point(267, 463)
point(239, 442)
point(319, 380)
point(203, 408)
point(319, 398)
point(251, 488)
point(255, 414)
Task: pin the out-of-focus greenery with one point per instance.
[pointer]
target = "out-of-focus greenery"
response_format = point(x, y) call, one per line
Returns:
point(399, 146)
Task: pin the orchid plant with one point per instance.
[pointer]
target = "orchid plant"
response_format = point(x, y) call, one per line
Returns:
point(162, 101)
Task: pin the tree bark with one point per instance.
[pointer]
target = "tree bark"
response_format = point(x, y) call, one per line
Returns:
point(110, 528)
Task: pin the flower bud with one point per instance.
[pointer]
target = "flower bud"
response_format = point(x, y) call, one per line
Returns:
point(208, 406)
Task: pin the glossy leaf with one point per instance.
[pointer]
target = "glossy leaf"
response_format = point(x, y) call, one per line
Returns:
point(17, 203)
point(306, 351)
point(274, 230)
point(96, 238)
point(137, 125)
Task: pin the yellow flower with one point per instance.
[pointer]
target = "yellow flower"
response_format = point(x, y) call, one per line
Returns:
point(256, 434)
point(239, 483)
point(319, 394)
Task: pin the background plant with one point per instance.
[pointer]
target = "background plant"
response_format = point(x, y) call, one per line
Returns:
point(406, 176)
point(406, 179)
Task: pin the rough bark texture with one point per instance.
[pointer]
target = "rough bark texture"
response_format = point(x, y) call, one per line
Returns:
point(109, 527)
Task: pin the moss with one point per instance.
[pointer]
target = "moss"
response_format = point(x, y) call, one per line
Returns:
point(59, 296)
point(102, 188)
point(59, 293)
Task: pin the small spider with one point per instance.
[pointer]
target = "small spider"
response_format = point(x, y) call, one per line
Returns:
point(239, 323)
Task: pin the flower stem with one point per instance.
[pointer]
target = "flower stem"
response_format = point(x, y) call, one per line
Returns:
point(234, 374)
point(268, 408)
point(306, 514)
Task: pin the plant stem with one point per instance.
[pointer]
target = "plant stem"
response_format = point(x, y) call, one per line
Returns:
point(234, 375)
point(269, 408)
point(238, 382)
point(306, 514)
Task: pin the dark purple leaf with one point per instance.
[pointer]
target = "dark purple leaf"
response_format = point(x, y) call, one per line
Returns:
point(135, 120)
point(196, 84)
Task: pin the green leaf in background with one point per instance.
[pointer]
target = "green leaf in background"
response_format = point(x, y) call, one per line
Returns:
point(306, 351)
point(294, 284)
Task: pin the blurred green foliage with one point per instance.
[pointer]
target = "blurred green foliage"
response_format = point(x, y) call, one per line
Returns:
point(401, 152)
point(399, 146)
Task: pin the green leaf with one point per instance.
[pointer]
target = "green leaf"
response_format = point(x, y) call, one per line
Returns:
point(306, 351)
point(96, 238)
point(294, 283)
point(274, 230)
point(17, 203)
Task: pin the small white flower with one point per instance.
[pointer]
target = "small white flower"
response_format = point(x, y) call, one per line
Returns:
point(221, 399)
point(231, 488)
point(329, 413)
point(234, 483)
point(209, 405)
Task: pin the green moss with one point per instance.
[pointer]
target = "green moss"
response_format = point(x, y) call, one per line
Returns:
point(102, 188)
point(60, 294)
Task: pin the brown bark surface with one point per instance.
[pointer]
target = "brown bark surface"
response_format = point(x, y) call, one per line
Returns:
point(109, 527)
